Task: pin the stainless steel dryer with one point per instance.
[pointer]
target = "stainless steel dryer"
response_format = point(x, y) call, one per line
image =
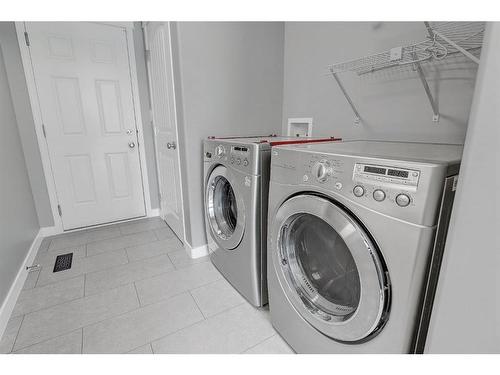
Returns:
point(352, 237)
point(236, 191)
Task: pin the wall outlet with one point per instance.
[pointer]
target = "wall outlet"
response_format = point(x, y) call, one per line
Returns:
point(300, 127)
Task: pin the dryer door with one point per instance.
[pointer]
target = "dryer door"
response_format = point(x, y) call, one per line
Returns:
point(330, 269)
point(224, 208)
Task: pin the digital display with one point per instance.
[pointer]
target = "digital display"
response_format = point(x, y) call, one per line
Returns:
point(376, 170)
point(243, 149)
point(397, 173)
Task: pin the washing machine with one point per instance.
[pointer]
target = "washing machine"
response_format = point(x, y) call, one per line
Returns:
point(354, 231)
point(236, 187)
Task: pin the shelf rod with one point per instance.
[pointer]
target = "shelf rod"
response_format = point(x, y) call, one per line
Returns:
point(434, 105)
point(451, 42)
point(433, 32)
point(357, 119)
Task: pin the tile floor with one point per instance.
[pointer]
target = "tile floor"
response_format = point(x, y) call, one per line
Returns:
point(133, 289)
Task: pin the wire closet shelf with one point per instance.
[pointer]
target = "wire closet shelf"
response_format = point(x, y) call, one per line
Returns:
point(443, 40)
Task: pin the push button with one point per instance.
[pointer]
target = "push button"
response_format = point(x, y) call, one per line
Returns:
point(402, 200)
point(379, 195)
point(358, 190)
point(238, 161)
point(245, 162)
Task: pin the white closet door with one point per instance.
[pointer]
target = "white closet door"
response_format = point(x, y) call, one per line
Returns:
point(83, 82)
point(165, 125)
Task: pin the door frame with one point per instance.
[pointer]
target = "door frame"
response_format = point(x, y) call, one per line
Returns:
point(171, 91)
point(128, 27)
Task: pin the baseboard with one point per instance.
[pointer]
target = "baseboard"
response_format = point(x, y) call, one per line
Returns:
point(154, 212)
point(196, 252)
point(17, 285)
point(50, 231)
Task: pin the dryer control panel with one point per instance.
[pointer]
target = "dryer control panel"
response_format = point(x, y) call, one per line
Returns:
point(381, 182)
point(384, 174)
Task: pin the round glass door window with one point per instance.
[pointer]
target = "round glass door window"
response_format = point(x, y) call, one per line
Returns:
point(224, 207)
point(321, 266)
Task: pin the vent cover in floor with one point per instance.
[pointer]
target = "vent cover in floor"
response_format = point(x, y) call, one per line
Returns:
point(63, 262)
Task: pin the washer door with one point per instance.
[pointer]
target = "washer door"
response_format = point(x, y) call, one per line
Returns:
point(330, 269)
point(224, 209)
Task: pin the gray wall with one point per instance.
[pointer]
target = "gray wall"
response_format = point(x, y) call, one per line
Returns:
point(229, 81)
point(393, 106)
point(466, 315)
point(18, 218)
point(26, 124)
point(22, 108)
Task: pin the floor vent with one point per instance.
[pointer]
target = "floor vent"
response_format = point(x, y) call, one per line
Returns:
point(63, 262)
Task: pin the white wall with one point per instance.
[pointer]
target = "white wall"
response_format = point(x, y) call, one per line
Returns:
point(229, 80)
point(393, 106)
point(18, 218)
point(466, 314)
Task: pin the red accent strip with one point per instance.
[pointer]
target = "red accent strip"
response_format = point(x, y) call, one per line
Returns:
point(291, 142)
point(244, 136)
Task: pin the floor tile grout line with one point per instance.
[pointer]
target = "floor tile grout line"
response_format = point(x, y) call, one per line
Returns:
point(137, 294)
point(37, 278)
point(127, 312)
point(193, 324)
point(17, 334)
point(198, 306)
point(260, 342)
point(84, 285)
point(89, 295)
point(44, 341)
point(107, 290)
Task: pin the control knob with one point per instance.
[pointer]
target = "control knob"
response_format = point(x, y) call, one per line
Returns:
point(321, 170)
point(220, 151)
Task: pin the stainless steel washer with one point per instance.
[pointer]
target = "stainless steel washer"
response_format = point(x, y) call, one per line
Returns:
point(352, 236)
point(236, 193)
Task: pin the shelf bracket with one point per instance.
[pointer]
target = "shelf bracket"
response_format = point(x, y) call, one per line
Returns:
point(357, 118)
point(435, 109)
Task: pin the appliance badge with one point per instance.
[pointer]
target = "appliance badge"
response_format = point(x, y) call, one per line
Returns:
point(247, 181)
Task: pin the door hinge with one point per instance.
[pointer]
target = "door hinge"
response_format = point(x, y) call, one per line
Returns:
point(44, 132)
point(147, 54)
point(59, 209)
point(27, 38)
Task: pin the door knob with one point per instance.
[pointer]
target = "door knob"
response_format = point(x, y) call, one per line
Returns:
point(172, 145)
point(131, 145)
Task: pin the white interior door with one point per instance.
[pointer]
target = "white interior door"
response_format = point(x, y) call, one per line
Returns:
point(82, 76)
point(165, 124)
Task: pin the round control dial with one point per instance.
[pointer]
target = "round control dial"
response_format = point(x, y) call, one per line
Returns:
point(379, 195)
point(403, 200)
point(358, 190)
point(220, 151)
point(321, 170)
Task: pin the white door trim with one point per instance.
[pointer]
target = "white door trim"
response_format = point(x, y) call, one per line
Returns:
point(172, 93)
point(37, 118)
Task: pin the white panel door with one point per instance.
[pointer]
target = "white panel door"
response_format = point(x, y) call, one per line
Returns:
point(82, 76)
point(165, 125)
